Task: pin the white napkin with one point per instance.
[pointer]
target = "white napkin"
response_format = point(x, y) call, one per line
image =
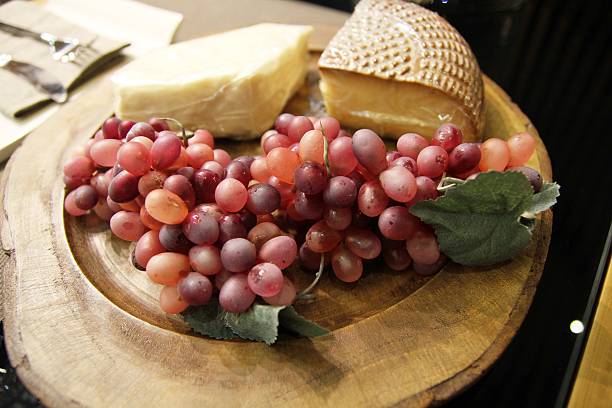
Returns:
point(154, 28)
point(114, 19)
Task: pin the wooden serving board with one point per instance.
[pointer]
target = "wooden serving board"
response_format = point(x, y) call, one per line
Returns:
point(83, 326)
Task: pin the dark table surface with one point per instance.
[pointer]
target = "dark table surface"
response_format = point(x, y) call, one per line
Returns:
point(553, 58)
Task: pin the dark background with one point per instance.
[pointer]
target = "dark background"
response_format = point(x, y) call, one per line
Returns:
point(554, 59)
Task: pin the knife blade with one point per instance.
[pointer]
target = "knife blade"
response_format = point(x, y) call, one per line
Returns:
point(42, 80)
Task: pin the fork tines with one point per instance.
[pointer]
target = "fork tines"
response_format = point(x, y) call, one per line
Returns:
point(79, 54)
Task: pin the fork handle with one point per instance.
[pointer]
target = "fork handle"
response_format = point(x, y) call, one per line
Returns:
point(22, 32)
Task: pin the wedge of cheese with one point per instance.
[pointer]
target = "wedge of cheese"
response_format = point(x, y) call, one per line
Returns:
point(233, 84)
point(396, 67)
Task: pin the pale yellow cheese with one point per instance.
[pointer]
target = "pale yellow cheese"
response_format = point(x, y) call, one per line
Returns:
point(391, 108)
point(396, 67)
point(233, 84)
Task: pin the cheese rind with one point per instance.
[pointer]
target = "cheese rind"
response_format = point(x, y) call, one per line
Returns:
point(396, 67)
point(233, 84)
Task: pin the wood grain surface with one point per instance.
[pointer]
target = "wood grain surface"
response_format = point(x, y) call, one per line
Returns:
point(83, 328)
point(593, 385)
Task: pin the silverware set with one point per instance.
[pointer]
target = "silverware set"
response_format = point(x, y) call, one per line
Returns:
point(65, 50)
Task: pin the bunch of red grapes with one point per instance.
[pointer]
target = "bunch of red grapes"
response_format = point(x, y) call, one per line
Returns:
point(204, 222)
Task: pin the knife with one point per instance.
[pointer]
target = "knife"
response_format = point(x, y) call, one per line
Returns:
point(38, 77)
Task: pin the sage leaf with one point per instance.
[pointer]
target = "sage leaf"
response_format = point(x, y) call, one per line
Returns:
point(292, 321)
point(545, 198)
point(208, 320)
point(259, 323)
point(478, 222)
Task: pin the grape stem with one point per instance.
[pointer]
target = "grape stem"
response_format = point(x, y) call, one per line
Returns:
point(446, 183)
point(305, 294)
point(325, 148)
point(184, 133)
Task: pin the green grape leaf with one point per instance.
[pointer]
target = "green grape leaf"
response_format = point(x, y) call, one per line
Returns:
point(478, 222)
point(259, 323)
point(209, 320)
point(545, 198)
point(294, 322)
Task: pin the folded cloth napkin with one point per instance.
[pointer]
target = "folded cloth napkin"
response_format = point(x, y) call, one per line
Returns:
point(18, 96)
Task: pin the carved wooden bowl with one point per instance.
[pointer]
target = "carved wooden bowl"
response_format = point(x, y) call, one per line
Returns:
point(83, 326)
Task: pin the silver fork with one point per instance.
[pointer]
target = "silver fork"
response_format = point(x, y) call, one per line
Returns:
point(63, 49)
